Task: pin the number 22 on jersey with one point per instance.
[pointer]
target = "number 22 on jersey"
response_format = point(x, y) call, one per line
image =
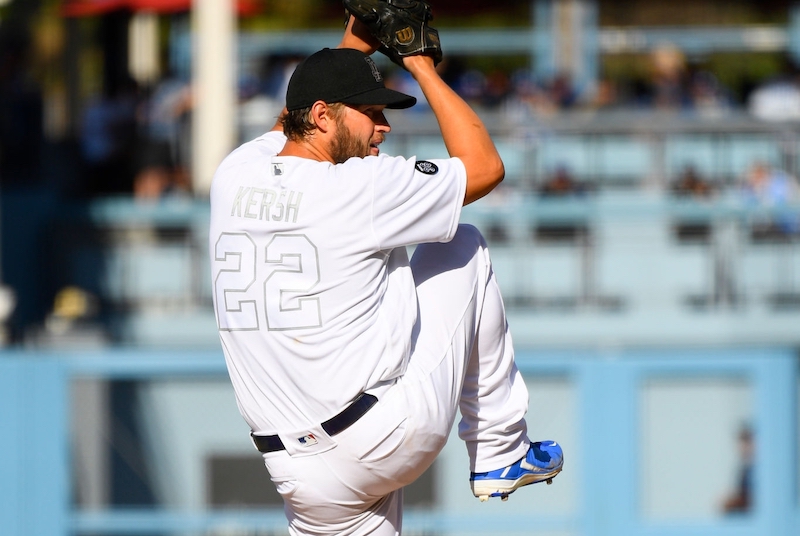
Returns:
point(273, 283)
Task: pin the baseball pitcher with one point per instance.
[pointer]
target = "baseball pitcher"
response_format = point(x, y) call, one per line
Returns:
point(349, 360)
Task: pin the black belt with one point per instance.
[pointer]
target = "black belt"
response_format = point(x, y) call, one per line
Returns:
point(333, 426)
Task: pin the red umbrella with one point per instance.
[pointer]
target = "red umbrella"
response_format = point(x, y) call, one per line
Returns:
point(84, 8)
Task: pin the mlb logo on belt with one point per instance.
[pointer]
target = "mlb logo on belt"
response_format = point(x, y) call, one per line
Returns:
point(307, 440)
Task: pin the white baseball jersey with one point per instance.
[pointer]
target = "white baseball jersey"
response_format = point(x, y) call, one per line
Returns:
point(314, 297)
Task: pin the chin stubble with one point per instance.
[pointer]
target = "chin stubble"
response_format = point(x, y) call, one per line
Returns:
point(346, 146)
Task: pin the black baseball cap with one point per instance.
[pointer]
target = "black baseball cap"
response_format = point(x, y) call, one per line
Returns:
point(342, 75)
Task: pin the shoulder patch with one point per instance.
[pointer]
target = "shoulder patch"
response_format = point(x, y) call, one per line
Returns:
point(428, 168)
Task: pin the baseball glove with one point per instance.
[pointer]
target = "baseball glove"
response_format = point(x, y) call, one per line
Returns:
point(401, 26)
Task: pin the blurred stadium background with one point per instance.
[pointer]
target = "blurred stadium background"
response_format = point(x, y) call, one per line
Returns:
point(647, 239)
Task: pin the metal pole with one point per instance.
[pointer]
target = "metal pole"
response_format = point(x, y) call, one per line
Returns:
point(214, 83)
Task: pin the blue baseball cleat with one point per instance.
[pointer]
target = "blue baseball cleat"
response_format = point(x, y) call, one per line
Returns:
point(543, 461)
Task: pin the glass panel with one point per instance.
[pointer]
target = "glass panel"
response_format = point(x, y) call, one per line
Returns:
point(717, 156)
point(427, 147)
point(699, 152)
point(553, 415)
point(187, 423)
point(744, 151)
point(691, 455)
point(158, 443)
point(515, 158)
point(624, 159)
point(571, 152)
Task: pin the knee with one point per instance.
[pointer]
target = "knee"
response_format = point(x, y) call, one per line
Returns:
point(465, 249)
point(469, 234)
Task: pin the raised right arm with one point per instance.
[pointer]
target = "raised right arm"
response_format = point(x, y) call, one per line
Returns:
point(465, 135)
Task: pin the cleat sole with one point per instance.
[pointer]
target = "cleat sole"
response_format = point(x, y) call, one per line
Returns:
point(483, 490)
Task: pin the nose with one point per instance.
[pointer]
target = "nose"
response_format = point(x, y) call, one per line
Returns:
point(381, 124)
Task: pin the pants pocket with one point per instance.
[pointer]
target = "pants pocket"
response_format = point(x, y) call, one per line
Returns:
point(285, 482)
point(386, 445)
point(379, 433)
point(286, 487)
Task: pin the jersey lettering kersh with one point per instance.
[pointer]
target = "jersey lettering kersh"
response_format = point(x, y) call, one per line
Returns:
point(266, 204)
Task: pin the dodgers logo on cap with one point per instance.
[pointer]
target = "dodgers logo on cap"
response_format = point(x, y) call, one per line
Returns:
point(375, 72)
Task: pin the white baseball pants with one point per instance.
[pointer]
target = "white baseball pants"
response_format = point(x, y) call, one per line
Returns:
point(462, 358)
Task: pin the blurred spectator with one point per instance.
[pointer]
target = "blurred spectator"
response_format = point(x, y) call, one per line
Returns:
point(497, 89)
point(472, 86)
point(276, 71)
point(72, 306)
point(777, 99)
point(560, 184)
point(740, 500)
point(668, 78)
point(691, 184)
point(561, 91)
point(264, 98)
point(526, 97)
point(497, 233)
point(167, 114)
point(706, 95)
point(451, 70)
point(606, 95)
point(154, 182)
point(402, 81)
point(767, 186)
point(108, 139)
point(163, 152)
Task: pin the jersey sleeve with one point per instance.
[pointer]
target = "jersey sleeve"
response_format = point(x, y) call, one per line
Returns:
point(416, 201)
